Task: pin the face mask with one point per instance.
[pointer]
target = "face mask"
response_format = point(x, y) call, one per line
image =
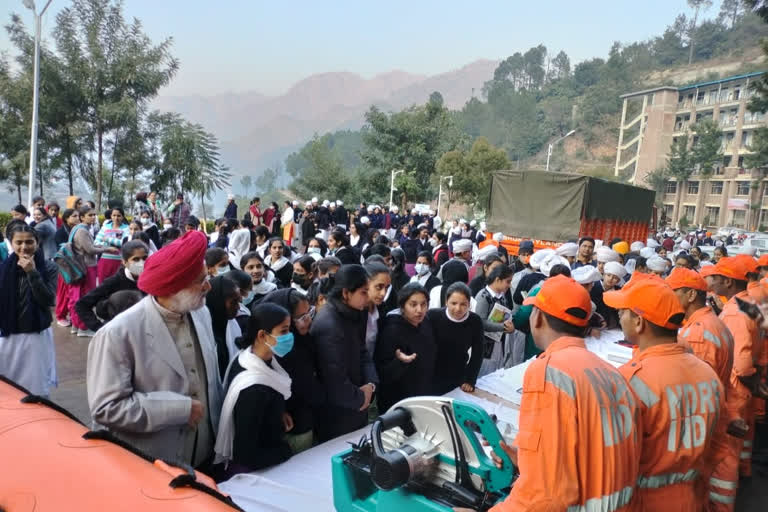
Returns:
point(167, 226)
point(145, 220)
point(313, 250)
point(299, 279)
point(249, 298)
point(284, 344)
point(221, 271)
point(432, 242)
point(421, 269)
point(136, 268)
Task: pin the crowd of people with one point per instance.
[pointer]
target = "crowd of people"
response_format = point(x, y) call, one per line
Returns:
point(234, 351)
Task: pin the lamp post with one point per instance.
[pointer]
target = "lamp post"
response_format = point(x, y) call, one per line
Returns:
point(392, 185)
point(440, 193)
point(30, 4)
point(549, 149)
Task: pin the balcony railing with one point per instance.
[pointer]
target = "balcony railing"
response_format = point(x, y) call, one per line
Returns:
point(681, 127)
point(728, 122)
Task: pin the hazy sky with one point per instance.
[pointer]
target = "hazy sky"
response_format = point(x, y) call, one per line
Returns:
point(238, 45)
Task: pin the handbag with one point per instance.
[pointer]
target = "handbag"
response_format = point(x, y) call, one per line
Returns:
point(71, 267)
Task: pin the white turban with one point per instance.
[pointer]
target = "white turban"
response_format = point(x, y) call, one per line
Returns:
point(551, 261)
point(483, 226)
point(539, 257)
point(339, 203)
point(631, 265)
point(605, 254)
point(487, 251)
point(314, 199)
point(568, 249)
point(636, 246)
point(615, 268)
point(657, 264)
point(473, 224)
point(333, 203)
point(586, 274)
point(462, 245)
point(498, 237)
point(652, 243)
point(647, 252)
point(326, 203)
point(684, 245)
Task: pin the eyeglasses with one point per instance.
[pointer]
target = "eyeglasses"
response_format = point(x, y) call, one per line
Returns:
point(306, 316)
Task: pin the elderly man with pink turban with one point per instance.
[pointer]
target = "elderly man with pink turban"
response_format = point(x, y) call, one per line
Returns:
point(152, 374)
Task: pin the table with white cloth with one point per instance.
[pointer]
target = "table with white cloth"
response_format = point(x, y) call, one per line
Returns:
point(304, 481)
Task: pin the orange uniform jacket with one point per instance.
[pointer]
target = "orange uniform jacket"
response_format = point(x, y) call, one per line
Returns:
point(745, 334)
point(710, 340)
point(681, 400)
point(579, 442)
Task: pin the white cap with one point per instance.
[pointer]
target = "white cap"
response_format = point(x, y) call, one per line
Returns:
point(370, 209)
point(462, 245)
point(615, 268)
point(684, 245)
point(539, 257)
point(568, 249)
point(657, 264)
point(333, 203)
point(652, 243)
point(636, 246)
point(308, 203)
point(586, 274)
point(487, 251)
point(365, 220)
point(748, 249)
point(295, 202)
point(395, 209)
point(326, 202)
point(498, 237)
point(314, 199)
point(339, 203)
point(647, 252)
point(483, 226)
point(604, 255)
point(551, 261)
point(473, 223)
point(230, 196)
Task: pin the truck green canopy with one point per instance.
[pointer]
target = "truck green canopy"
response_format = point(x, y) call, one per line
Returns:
point(551, 205)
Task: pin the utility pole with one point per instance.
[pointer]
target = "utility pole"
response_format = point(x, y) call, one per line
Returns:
point(394, 173)
point(551, 144)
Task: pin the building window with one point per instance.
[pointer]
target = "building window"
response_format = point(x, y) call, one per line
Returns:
point(741, 164)
point(742, 188)
point(763, 217)
point(711, 215)
point(693, 187)
point(670, 187)
point(717, 188)
point(746, 139)
point(738, 217)
point(724, 94)
point(689, 212)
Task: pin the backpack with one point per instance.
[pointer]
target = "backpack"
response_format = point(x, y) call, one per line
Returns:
point(71, 267)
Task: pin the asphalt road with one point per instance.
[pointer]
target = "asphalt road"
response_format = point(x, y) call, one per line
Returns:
point(71, 354)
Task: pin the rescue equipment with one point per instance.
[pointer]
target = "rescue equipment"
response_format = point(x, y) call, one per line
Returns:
point(49, 461)
point(424, 454)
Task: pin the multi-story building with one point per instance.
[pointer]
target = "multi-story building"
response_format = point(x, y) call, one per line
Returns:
point(652, 120)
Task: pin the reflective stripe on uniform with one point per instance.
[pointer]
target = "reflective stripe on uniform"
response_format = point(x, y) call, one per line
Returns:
point(747, 444)
point(646, 395)
point(607, 503)
point(711, 338)
point(720, 498)
point(561, 381)
point(687, 332)
point(657, 481)
point(746, 455)
point(723, 484)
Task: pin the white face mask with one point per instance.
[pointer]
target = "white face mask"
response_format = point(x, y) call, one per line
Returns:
point(432, 242)
point(136, 268)
point(145, 221)
point(421, 268)
point(313, 250)
point(167, 226)
point(221, 271)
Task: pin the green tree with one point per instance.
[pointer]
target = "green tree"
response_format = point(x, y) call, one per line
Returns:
point(472, 170)
point(658, 179)
point(324, 174)
point(707, 152)
point(758, 159)
point(730, 12)
point(246, 182)
point(680, 165)
point(697, 6)
point(115, 64)
point(561, 66)
point(267, 183)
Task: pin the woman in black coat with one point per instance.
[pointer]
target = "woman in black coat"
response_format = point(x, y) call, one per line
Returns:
point(307, 392)
point(456, 329)
point(346, 369)
point(405, 351)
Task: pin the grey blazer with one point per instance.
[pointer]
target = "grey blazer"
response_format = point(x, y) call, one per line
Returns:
point(137, 386)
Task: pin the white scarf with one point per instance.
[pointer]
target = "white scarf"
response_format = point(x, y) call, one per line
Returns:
point(263, 287)
point(276, 266)
point(456, 320)
point(255, 371)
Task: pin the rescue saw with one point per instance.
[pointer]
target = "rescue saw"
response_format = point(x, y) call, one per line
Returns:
point(424, 454)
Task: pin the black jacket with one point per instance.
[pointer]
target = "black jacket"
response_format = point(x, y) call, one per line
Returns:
point(340, 216)
point(61, 236)
point(323, 218)
point(259, 432)
point(402, 380)
point(343, 365)
point(526, 284)
point(84, 307)
point(307, 228)
point(453, 367)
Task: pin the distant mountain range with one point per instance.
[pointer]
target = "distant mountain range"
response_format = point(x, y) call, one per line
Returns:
point(257, 131)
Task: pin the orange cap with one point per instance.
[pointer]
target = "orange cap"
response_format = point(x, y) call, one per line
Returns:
point(686, 278)
point(763, 260)
point(758, 292)
point(563, 298)
point(733, 267)
point(651, 299)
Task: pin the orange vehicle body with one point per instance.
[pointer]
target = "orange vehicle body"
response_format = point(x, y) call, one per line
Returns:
point(47, 465)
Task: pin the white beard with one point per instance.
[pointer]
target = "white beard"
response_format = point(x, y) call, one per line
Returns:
point(187, 300)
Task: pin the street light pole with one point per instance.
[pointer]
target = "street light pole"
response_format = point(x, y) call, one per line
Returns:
point(440, 192)
point(30, 4)
point(392, 185)
point(551, 144)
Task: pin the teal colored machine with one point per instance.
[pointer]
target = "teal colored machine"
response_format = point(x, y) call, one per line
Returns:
point(424, 454)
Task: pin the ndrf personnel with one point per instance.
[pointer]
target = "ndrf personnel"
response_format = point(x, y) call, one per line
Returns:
point(579, 439)
point(680, 396)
